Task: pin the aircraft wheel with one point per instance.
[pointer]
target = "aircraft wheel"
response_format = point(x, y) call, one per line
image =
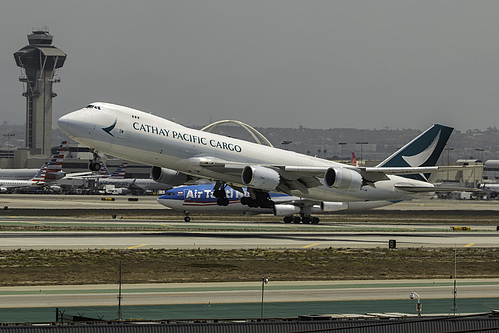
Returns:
point(253, 203)
point(288, 219)
point(267, 204)
point(245, 201)
point(315, 220)
point(94, 166)
point(187, 219)
point(224, 201)
point(306, 219)
point(296, 219)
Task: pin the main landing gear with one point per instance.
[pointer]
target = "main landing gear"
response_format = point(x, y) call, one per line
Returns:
point(258, 199)
point(94, 164)
point(305, 219)
point(187, 218)
point(221, 196)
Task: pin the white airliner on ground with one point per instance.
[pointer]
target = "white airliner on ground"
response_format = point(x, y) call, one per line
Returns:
point(118, 180)
point(200, 198)
point(54, 168)
point(181, 154)
point(7, 185)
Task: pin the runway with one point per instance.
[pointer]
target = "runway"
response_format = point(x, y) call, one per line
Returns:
point(85, 202)
point(88, 222)
point(242, 240)
point(244, 292)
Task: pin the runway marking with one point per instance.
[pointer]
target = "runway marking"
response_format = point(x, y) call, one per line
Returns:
point(136, 246)
point(304, 247)
point(36, 223)
point(469, 245)
point(166, 225)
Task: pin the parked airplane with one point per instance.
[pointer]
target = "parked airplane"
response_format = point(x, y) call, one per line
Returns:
point(54, 168)
point(7, 185)
point(491, 189)
point(142, 137)
point(200, 198)
point(118, 180)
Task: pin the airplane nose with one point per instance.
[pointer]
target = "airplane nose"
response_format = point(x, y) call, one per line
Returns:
point(63, 122)
point(74, 123)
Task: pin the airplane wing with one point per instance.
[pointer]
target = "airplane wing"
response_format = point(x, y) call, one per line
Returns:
point(82, 175)
point(133, 186)
point(302, 178)
point(437, 188)
point(298, 178)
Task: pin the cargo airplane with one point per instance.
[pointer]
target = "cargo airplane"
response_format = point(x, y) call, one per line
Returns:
point(200, 198)
point(180, 155)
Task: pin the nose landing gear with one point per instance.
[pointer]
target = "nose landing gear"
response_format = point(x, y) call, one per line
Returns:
point(94, 164)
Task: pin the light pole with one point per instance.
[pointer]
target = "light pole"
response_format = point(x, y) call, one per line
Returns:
point(341, 145)
point(120, 297)
point(264, 282)
point(418, 306)
point(286, 143)
point(361, 143)
point(448, 160)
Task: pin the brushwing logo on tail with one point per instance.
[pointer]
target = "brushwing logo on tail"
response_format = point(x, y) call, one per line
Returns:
point(110, 128)
point(418, 159)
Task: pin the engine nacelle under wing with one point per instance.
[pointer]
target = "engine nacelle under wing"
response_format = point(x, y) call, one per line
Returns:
point(260, 177)
point(333, 206)
point(343, 179)
point(286, 210)
point(168, 176)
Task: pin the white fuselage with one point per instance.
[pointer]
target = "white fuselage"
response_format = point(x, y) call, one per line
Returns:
point(14, 174)
point(142, 137)
point(13, 184)
point(144, 184)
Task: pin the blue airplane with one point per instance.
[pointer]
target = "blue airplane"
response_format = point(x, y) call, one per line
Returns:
point(201, 198)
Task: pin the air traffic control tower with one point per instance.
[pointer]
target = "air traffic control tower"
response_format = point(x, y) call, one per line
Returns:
point(39, 62)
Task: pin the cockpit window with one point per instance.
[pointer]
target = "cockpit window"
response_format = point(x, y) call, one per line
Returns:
point(90, 106)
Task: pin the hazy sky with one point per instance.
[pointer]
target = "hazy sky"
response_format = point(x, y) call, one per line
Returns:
point(320, 64)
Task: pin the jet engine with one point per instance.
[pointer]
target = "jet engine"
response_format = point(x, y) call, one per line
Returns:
point(168, 176)
point(286, 210)
point(333, 206)
point(343, 179)
point(260, 177)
